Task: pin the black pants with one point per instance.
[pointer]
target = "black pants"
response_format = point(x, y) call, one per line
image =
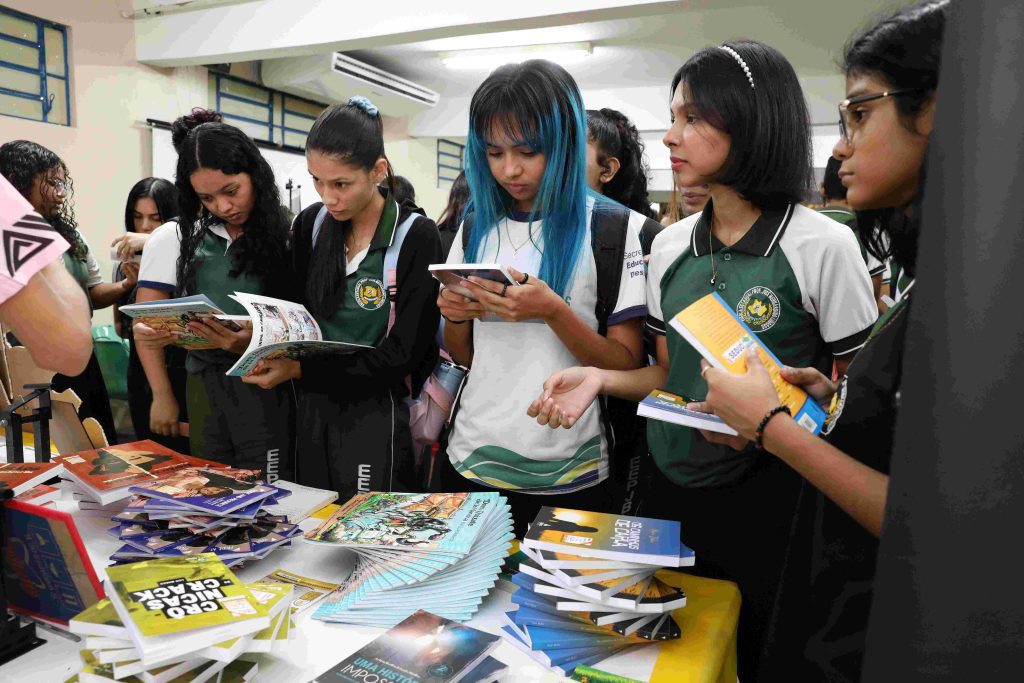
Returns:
point(241, 424)
point(525, 506)
point(739, 532)
point(90, 387)
point(354, 444)
point(140, 397)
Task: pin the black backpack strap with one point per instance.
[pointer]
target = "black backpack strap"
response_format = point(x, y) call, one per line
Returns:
point(648, 232)
point(609, 225)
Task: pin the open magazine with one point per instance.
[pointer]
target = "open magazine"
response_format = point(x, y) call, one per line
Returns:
point(174, 315)
point(282, 329)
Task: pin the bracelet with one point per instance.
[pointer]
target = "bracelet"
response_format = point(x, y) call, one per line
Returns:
point(453, 322)
point(759, 434)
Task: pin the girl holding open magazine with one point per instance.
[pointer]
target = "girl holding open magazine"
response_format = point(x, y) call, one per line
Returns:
point(231, 235)
point(353, 422)
point(531, 211)
point(740, 125)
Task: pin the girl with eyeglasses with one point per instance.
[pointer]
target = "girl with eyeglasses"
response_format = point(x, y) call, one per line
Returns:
point(796, 278)
point(892, 71)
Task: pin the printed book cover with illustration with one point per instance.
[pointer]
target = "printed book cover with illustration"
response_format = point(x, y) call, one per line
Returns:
point(174, 315)
point(117, 467)
point(614, 537)
point(217, 491)
point(282, 329)
point(19, 477)
point(47, 571)
point(424, 648)
point(173, 595)
point(722, 338)
point(668, 407)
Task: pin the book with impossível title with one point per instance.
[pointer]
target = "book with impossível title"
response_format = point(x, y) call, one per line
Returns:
point(423, 648)
point(607, 536)
point(722, 338)
point(104, 474)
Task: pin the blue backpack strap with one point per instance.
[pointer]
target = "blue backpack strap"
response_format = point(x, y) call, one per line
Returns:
point(318, 223)
point(391, 263)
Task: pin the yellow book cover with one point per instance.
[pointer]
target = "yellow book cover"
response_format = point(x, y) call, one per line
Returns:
point(718, 334)
point(177, 594)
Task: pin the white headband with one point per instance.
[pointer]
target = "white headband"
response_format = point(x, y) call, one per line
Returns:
point(739, 60)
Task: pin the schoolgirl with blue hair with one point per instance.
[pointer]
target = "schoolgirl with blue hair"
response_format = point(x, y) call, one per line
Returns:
point(530, 210)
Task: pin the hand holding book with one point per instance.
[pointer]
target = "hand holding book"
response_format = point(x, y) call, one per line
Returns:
point(741, 400)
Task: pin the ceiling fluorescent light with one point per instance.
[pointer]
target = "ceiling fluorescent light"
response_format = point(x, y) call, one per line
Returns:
point(560, 53)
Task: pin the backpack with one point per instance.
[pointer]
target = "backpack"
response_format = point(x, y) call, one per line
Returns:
point(430, 408)
point(628, 460)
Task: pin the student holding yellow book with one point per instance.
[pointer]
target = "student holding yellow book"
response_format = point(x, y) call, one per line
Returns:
point(793, 276)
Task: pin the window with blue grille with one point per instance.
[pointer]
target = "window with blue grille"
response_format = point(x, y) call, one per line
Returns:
point(264, 113)
point(449, 161)
point(35, 78)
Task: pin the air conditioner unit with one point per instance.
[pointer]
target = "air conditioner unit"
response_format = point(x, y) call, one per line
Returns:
point(336, 77)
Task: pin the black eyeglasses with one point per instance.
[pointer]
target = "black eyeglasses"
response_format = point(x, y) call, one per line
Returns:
point(844, 106)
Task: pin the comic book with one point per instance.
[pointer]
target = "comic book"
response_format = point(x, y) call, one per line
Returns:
point(174, 315)
point(283, 329)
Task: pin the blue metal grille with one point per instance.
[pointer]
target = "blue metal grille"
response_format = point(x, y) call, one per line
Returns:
point(449, 160)
point(45, 95)
point(276, 105)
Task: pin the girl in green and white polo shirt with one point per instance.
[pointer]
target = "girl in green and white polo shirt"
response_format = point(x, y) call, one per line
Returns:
point(795, 277)
point(231, 235)
point(532, 211)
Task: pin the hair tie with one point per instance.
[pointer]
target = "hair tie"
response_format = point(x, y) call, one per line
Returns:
point(364, 104)
point(739, 60)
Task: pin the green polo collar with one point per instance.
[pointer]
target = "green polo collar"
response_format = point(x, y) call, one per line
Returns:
point(760, 240)
point(385, 233)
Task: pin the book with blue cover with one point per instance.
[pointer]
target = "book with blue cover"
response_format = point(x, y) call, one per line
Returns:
point(669, 407)
point(217, 491)
point(608, 536)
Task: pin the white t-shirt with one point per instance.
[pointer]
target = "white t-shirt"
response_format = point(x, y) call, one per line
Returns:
point(494, 441)
point(159, 266)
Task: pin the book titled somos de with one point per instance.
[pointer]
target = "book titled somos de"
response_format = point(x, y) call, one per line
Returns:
point(613, 537)
point(722, 338)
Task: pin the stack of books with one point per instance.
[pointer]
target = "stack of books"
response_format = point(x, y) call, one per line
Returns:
point(424, 647)
point(438, 551)
point(181, 619)
point(198, 510)
point(101, 478)
point(25, 480)
point(588, 588)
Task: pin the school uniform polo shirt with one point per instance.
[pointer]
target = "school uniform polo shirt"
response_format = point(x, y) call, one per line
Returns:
point(493, 441)
point(849, 219)
point(796, 278)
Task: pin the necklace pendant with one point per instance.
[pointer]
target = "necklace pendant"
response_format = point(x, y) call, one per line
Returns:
point(712, 280)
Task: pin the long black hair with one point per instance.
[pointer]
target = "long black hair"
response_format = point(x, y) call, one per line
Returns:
point(21, 161)
point(904, 49)
point(353, 134)
point(163, 193)
point(614, 135)
point(203, 141)
point(458, 197)
point(769, 160)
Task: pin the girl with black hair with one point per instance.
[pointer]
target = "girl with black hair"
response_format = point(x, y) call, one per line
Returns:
point(533, 212)
point(353, 421)
point(615, 160)
point(451, 218)
point(796, 278)
point(231, 235)
point(151, 203)
point(892, 72)
point(43, 179)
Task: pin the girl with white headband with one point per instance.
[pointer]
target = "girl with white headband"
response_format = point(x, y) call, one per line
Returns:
point(796, 278)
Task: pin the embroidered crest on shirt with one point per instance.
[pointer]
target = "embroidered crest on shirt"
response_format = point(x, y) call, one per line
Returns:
point(759, 309)
point(370, 293)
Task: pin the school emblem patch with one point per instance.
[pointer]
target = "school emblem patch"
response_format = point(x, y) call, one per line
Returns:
point(759, 309)
point(370, 293)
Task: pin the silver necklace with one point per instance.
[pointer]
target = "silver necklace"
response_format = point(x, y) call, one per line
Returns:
point(515, 249)
point(711, 253)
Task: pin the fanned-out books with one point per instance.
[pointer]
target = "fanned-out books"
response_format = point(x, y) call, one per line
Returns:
point(181, 619)
point(588, 588)
point(438, 551)
point(202, 510)
point(422, 648)
point(102, 477)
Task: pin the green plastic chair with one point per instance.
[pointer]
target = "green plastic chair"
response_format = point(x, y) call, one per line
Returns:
point(112, 354)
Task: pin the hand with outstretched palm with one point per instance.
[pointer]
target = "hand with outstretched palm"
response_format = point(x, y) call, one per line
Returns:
point(567, 395)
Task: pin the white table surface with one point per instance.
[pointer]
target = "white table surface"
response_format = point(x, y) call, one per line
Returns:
point(317, 645)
